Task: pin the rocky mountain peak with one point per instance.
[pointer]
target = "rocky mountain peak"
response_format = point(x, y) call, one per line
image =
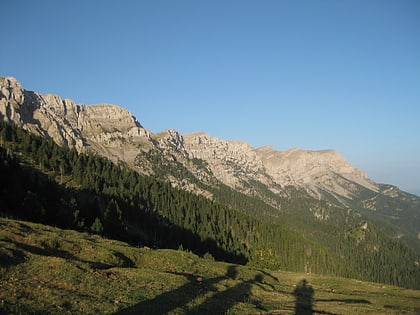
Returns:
point(114, 132)
point(100, 127)
point(171, 139)
point(9, 83)
point(99, 118)
point(316, 171)
point(236, 163)
point(11, 97)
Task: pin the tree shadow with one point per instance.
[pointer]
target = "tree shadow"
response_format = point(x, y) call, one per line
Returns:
point(21, 248)
point(347, 301)
point(219, 303)
point(10, 257)
point(176, 298)
point(222, 301)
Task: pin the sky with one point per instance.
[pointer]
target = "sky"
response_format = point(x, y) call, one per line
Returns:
point(324, 74)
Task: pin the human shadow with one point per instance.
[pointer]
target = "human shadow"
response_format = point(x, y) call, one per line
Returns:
point(219, 302)
point(304, 294)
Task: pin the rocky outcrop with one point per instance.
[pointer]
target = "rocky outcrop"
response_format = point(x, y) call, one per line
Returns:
point(232, 162)
point(108, 129)
point(171, 139)
point(236, 163)
point(113, 132)
point(316, 171)
point(198, 162)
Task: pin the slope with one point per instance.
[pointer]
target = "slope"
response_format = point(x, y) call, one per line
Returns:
point(44, 182)
point(206, 165)
point(48, 270)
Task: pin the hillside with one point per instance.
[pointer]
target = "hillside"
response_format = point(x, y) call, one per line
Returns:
point(207, 166)
point(52, 184)
point(304, 211)
point(46, 270)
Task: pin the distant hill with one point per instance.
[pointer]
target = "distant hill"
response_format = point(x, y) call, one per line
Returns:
point(238, 203)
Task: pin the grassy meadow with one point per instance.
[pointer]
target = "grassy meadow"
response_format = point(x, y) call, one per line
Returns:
point(46, 270)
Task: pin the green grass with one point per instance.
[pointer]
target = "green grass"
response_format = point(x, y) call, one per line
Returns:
point(45, 270)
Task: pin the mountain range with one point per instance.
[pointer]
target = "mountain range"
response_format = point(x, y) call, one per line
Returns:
point(320, 186)
point(114, 133)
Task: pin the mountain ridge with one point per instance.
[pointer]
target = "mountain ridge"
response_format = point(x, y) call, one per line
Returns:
point(98, 123)
point(197, 162)
point(103, 126)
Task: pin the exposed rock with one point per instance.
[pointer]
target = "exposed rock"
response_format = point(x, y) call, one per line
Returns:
point(230, 161)
point(113, 132)
point(173, 138)
point(318, 172)
point(108, 129)
point(11, 98)
point(198, 162)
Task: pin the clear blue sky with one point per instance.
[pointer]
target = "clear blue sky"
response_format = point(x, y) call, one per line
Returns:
point(312, 74)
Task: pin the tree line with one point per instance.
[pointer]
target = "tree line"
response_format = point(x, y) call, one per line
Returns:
point(51, 184)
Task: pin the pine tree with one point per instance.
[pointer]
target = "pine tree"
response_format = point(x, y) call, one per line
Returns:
point(113, 221)
point(97, 226)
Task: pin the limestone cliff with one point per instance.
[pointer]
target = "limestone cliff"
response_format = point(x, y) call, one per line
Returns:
point(113, 132)
point(204, 164)
point(318, 172)
point(108, 129)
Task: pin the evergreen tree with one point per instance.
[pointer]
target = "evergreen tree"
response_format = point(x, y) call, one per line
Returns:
point(97, 227)
point(113, 221)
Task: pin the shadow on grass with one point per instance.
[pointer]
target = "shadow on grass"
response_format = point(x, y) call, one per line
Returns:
point(347, 301)
point(304, 294)
point(218, 303)
point(21, 248)
point(222, 301)
point(11, 257)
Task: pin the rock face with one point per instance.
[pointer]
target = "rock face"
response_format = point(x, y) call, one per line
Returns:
point(230, 161)
point(200, 163)
point(113, 132)
point(101, 127)
point(318, 172)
